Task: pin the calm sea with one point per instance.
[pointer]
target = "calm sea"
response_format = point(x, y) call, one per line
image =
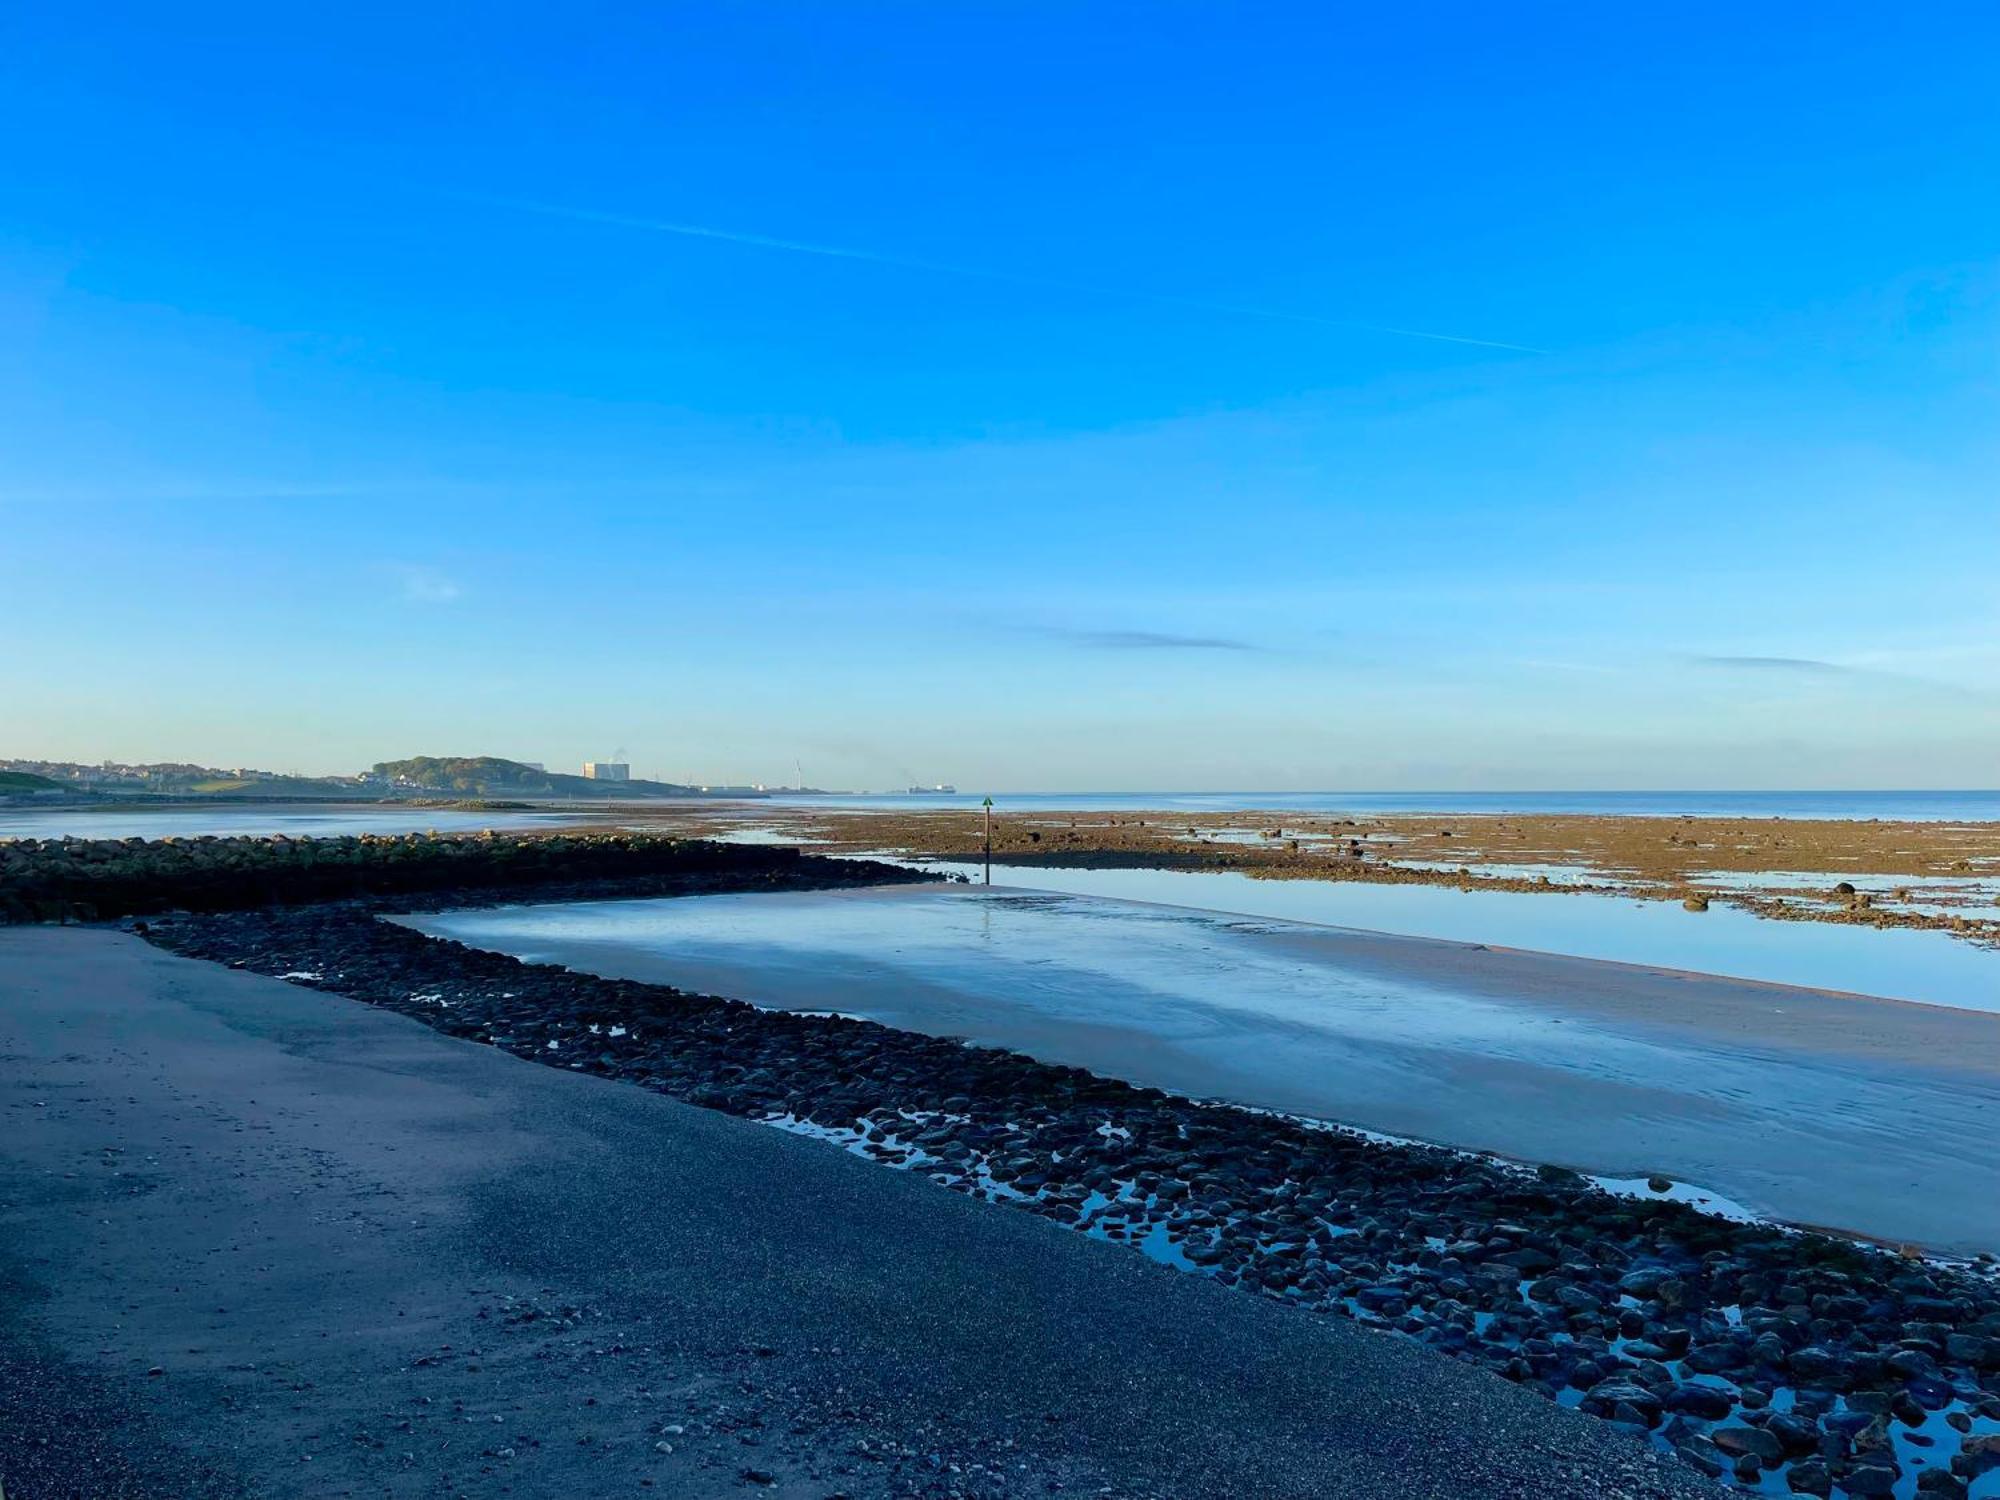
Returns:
point(1948, 807)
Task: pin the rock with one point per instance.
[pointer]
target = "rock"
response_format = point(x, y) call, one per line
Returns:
point(1977, 1455)
point(1704, 1401)
point(1609, 1394)
point(1812, 1364)
point(1868, 1480)
point(1809, 1478)
point(1754, 1441)
point(1699, 1452)
point(1970, 1349)
point(1941, 1484)
point(1714, 1359)
point(1657, 1183)
point(1910, 1363)
point(1796, 1434)
point(1674, 1340)
point(1875, 1438)
point(1644, 1282)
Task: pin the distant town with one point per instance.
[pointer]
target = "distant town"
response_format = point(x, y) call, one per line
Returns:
point(420, 777)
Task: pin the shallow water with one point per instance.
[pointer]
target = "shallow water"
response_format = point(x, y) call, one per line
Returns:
point(1489, 1051)
point(1902, 964)
point(295, 821)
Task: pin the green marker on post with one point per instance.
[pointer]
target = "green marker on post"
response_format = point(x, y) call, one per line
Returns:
point(989, 840)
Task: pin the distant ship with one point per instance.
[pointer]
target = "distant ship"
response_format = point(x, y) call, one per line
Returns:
point(933, 791)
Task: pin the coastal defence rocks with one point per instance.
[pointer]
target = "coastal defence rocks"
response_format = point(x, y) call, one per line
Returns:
point(1781, 1360)
point(55, 880)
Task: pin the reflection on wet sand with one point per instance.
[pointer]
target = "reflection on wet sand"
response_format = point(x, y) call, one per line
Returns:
point(1747, 1088)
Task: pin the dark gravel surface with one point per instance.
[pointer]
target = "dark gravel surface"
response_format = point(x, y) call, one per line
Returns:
point(1788, 1361)
point(313, 1248)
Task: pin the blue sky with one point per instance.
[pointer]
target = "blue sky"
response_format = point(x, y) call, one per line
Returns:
point(1027, 397)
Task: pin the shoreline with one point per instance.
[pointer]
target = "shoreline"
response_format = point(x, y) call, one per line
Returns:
point(266, 1242)
point(1935, 876)
point(1483, 1261)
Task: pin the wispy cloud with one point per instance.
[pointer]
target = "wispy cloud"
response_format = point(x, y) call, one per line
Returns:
point(1800, 664)
point(1549, 664)
point(984, 273)
point(1150, 640)
point(422, 584)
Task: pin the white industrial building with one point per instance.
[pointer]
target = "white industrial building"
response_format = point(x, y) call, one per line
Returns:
point(607, 770)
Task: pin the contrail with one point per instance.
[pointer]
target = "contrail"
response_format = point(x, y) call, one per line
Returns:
point(980, 273)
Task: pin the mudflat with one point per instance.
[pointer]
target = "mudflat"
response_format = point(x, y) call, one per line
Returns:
point(261, 1240)
point(1936, 876)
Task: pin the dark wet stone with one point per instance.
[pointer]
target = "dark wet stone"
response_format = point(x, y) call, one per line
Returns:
point(1795, 1433)
point(1714, 1359)
point(1703, 1401)
point(1866, 1480)
point(1910, 1363)
point(1972, 1349)
point(1812, 1364)
point(1699, 1452)
point(1754, 1441)
point(1875, 1438)
point(1977, 1456)
point(1941, 1484)
point(1809, 1478)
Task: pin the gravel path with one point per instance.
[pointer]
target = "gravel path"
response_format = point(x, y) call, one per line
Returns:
point(262, 1240)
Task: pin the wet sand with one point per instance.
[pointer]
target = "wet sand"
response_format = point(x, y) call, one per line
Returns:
point(1939, 876)
point(303, 1246)
point(1870, 1116)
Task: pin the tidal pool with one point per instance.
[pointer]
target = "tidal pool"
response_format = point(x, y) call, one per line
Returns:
point(1901, 963)
point(1754, 1090)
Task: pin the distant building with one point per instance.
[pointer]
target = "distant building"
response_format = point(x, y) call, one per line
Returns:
point(607, 770)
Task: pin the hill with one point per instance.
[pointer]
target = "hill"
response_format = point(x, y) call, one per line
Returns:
point(24, 781)
point(490, 776)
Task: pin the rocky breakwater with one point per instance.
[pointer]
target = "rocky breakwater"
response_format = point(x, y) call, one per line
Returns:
point(1781, 1360)
point(54, 880)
